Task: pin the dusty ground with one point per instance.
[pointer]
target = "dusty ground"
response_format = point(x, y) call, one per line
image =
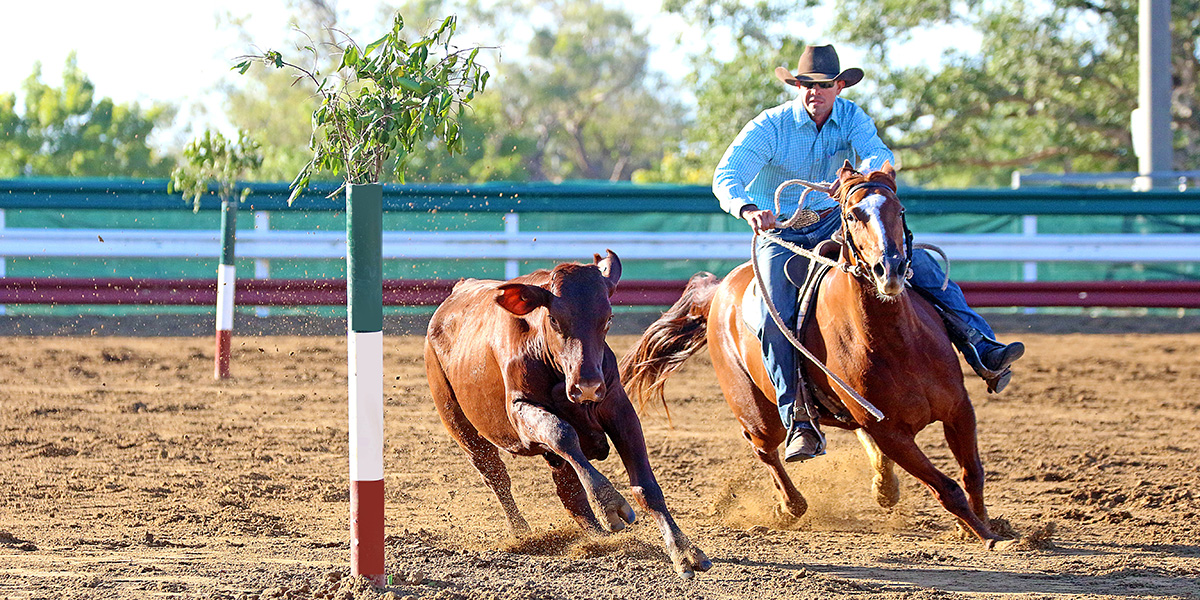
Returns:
point(129, 473)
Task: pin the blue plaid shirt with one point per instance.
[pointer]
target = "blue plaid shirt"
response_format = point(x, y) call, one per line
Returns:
point(783, 143)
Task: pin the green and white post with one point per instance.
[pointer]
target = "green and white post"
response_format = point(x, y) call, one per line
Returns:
point(364, 284)
point(226, 284)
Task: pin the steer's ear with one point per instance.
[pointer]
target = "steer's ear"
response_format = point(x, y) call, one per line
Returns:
point(520, 299)
point(610, 268)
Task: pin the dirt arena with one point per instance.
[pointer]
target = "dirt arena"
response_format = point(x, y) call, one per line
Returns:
point(128, 472)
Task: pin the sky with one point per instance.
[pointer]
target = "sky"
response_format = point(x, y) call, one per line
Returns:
point(176, 52)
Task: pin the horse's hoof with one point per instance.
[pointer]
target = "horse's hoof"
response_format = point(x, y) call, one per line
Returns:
point(887, 492)
point(789, 514)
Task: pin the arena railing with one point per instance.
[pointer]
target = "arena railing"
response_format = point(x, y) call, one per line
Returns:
point(513, 245)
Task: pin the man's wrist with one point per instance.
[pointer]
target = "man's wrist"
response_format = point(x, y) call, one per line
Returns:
point(745, 207)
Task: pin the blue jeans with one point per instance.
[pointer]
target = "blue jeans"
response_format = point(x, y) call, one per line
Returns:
point(779, 357)
point(928, 276)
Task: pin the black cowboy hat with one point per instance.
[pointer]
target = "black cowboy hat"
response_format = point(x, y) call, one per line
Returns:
point(819, 64)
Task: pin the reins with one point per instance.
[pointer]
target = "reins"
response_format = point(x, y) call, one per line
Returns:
point(855, 269)
point(762, 289)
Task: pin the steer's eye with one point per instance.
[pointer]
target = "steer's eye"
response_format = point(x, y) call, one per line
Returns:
point(608, 323)
point(553, 322)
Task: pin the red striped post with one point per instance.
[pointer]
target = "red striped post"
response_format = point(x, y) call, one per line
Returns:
point(364, 285)
point(226, 284)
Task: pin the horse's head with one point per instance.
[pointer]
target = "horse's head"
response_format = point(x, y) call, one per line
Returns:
point(877, 239)
point(576, 320)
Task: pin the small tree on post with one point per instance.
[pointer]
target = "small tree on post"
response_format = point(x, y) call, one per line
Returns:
point(392, 97)
point(208, 159)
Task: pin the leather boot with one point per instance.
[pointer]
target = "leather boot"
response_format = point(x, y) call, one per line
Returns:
point(990, 359)
point(804, 441)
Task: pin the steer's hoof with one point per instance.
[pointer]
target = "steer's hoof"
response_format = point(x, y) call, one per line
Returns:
point(620, 516)
point(693, 559)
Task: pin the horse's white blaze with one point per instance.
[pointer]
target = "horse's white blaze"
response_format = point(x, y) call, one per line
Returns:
point(366, 405)
point(226, 280)
point(871, 204)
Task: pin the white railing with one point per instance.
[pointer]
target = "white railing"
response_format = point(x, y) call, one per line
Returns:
point(514, 245)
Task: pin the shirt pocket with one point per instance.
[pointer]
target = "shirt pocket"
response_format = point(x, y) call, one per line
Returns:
point(839, 154)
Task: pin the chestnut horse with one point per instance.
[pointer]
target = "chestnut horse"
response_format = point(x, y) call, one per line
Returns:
point(523, 366)
point(884, 341)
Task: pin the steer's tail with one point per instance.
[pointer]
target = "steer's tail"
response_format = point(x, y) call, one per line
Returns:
point(669, 341)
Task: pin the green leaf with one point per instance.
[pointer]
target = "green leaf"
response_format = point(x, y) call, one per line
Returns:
point(375, 44)
point(349, 57)
point(408, 84)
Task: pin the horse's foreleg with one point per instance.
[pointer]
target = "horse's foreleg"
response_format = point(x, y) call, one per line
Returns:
point(622, 425)
point(960, 436)
point(903, 449)
point(537, 426)
point(791, 500)
point(885, 484)
point(571, 492)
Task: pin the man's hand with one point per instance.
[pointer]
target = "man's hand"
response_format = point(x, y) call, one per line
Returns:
point(760, 220)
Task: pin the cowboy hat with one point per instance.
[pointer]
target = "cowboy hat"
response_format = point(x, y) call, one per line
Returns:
point(819, 64)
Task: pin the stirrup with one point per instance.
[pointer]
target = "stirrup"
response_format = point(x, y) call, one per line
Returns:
point(997, 384)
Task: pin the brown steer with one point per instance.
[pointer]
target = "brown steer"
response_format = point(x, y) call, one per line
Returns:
point(524, 366)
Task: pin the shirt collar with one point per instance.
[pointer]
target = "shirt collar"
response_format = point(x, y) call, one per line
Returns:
point(803, 119)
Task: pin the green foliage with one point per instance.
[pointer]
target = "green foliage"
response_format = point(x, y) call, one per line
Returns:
point(211, 158)
point(1051, 89)
point(68, 132)
point(728, 95)
point(392, 97)
point(580, 103)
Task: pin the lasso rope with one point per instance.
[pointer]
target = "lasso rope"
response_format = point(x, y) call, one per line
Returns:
point(762, 289)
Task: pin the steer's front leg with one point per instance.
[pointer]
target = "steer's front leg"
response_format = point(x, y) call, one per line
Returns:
point(537, 426)
point(621, 423)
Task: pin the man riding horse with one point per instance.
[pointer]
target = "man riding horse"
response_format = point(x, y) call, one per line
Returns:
point(809, 138)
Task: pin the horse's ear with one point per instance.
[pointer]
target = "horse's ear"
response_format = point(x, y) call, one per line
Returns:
point(520, 299)
point(888, 169)
point(845, 169)
point(610, 268)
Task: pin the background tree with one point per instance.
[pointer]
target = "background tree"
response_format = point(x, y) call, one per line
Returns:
point(732, 77)
point(210, 158)
point(572, 99)
point(270, 103)
point(68, 132)
point(1051, 88)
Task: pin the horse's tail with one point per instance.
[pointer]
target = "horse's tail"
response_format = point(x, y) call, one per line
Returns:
point(669, 341)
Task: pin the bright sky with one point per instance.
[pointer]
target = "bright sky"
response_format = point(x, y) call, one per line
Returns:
point(177, 52)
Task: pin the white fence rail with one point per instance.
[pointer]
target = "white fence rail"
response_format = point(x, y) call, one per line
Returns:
point(564, 245)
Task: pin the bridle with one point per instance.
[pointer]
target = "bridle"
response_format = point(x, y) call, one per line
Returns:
point(857, 260)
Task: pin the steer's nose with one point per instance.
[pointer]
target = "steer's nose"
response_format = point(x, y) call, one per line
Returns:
point(587, 391)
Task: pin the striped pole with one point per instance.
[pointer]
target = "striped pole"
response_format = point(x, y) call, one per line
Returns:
point(364, 284)
point(226, 282)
